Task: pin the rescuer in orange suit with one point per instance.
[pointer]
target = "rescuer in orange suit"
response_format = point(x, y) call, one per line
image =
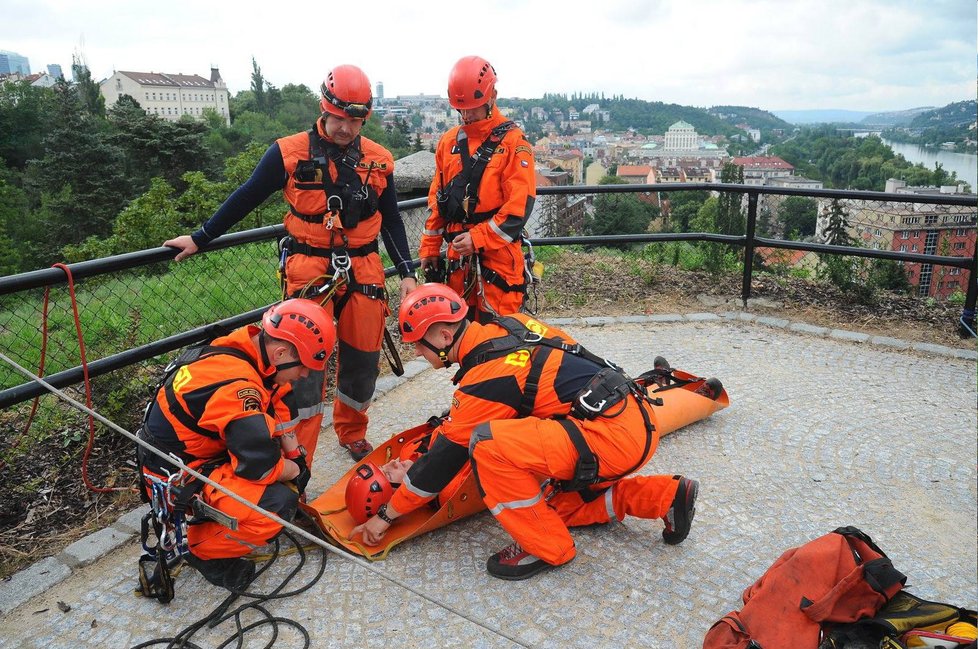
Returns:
point(479, 206)
point(531, 404)
point(226, 410)
point(340, 190)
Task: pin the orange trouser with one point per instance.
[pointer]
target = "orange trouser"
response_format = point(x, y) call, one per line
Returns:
point(210, 540)
point(511, 456)
point(487, 299)
point(360, 330)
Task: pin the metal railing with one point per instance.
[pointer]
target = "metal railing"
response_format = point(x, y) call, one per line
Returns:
point(249, 310)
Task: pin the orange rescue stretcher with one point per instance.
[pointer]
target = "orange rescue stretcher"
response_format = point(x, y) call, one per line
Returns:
point(681, 406)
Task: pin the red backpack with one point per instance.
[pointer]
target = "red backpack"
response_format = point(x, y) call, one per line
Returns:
point(839, 577)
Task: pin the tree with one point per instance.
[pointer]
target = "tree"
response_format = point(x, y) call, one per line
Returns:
point(88, 91)
point(847, 273)
point(258, 84)
point(799, 215)
point(26, 115)
point(729, 216)
point(80, 184)
point(619, 213)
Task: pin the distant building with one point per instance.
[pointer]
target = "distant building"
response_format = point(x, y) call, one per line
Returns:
point(380, 91)
point(758, 169)
point(944, 230)
point(41, 80)
point(796, 182)
point(635, 174)
point(682, 137)
point(55, 71)
point(170, 96)
point(14, 63)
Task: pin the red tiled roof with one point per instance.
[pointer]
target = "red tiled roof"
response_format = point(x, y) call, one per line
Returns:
point(634, 170)
point(770, 162)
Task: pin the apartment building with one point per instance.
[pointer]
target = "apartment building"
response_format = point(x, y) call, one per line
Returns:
point(170, 96)
point(949, 231)
point(757, 169)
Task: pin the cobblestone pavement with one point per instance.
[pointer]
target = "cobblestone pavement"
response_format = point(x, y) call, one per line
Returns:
point(821, 432)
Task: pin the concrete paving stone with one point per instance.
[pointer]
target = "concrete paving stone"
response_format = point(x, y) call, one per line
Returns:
point(821, 433)
point(634, 319)
point(887, 341)
point(739, 315)
point(24, 585)
point(767, 321)
point(702, 317)
point(850, 336)
point(92, 547)
point(598, 321)
point(564, 322)
point(131, 521)
point(666, 317)
point(803, 328)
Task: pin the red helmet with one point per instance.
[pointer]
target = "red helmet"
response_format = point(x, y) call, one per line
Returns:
point(471, 83)
point(346, 92)
point(366, 491)
point(426, 305)
point(305, 324)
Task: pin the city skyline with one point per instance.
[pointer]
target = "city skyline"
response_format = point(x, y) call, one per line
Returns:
point(866, 55)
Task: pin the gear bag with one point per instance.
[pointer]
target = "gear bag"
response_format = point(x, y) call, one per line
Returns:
point(840, 577)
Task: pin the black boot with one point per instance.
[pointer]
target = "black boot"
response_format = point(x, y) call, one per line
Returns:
point(232, 574)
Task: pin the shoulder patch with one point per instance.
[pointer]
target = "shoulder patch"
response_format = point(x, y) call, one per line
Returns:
point(499, 150)
point(524, 149)
point(250, 399)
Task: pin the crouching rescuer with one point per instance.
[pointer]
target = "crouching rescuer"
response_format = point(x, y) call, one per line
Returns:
point(532, 405)
point(226, 410)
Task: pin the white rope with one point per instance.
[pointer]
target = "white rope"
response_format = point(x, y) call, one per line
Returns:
point(172, 459)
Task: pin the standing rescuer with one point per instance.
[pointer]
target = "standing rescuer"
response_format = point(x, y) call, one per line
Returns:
point(530, 404)
point(226, 410)
point(340, 190)
point(481, 195)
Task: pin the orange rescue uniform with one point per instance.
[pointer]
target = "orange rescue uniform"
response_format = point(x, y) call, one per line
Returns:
point(507, 192)
point(223, 411)
point(316, 233)
point(512, 455)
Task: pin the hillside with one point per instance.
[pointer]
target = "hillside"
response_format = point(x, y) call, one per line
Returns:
point(826, 116)
point(956, 115)
point(895, 118)
point(753, 117)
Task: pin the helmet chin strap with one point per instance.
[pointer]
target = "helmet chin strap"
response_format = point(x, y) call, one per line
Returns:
point(262, 338)
point(443, 351)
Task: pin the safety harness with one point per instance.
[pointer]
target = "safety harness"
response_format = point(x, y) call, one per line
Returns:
point(609, 387)
point(172, 496)
point(457, 200)
point(348, 199)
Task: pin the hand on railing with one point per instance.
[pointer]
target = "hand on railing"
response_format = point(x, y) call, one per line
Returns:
point(185, 244)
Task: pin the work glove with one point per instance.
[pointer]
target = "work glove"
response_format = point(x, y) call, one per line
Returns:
point(302, 480)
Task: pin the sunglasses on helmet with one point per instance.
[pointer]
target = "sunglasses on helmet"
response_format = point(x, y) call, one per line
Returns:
point(352, 109)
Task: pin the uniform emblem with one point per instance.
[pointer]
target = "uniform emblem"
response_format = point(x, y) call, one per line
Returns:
point(524, 163)
point(536, 327)
point(250, 399)
point(454, 402)
point(182, 378)
point(519, 359)
point(524, 149)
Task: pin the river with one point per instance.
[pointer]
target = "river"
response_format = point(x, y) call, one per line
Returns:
point(963, 164)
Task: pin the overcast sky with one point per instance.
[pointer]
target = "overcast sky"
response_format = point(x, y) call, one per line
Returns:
point(790, 54)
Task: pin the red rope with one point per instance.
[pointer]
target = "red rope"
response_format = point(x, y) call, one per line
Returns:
point(88, 385)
